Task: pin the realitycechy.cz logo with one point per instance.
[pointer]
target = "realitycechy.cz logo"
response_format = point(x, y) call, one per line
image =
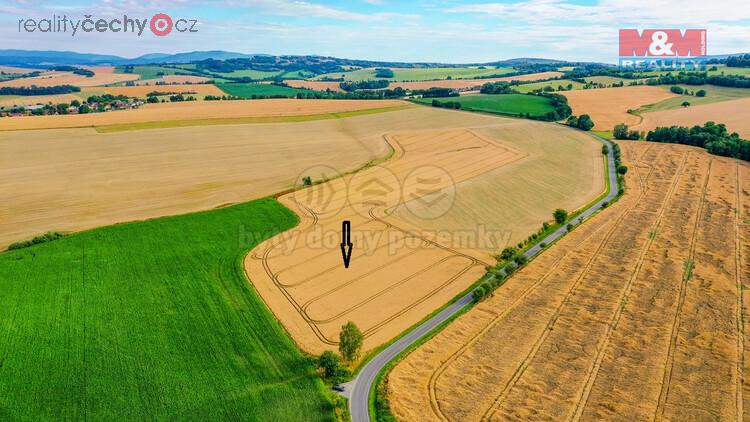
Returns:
point(663, 49)
point(160, 24)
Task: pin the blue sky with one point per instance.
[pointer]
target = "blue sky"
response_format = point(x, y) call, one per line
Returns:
point(430, 30)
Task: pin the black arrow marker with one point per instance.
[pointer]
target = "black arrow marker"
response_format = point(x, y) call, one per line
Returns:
point(346, 242)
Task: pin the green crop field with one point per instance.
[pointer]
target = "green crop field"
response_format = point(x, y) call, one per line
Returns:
point(426, 74)
point(510, 104)
point(151, 320)
point(247, 90)
point(524, 88)
point(714, 94)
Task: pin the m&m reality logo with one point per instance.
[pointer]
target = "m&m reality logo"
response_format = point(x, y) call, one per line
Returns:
point(663, 49)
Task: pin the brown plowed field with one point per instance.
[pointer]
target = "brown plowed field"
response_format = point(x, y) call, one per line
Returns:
point(400, 272)
point(735, 114)
point(609, 106)
point(635, 315)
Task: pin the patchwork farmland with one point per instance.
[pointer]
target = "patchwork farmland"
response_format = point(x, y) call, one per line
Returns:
point(637, 314)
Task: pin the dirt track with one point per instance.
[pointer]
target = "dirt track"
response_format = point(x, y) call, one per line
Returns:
point(633, 316)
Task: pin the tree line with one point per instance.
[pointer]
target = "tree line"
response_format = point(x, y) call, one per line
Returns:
point(38, 90)
point(739, 61)
point(713, 137)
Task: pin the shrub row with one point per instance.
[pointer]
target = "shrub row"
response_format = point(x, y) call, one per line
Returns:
point(48, 237)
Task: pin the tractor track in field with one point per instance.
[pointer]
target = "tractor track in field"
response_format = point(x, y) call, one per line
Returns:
point(558, 311)
point(593, 372)
point(740, 368)
point(667, 378)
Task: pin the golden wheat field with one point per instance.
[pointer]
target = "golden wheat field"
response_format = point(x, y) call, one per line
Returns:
point(314, 85)
point(639, 314)
point(609, 106)
point(403, 269)
point(735, 114)
point(102, 76)
point(195, 110)
point(174, 79)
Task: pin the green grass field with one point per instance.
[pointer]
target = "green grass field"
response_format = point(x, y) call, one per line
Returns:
point(524, 88)
point(248, 90)
point(151, 320)
point(512, 104)
point(427, 74)
point(714, 94)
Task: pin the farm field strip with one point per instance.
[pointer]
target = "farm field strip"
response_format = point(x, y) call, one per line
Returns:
point(476, 382)
point(685, 277)
point(582, 299)
point(743, 221)
point(640, 314)
point(425, 269)
point(624, 362)
point(197, 113)
point(706, 334)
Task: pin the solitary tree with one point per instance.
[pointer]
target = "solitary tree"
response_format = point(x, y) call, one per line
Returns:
point(585, 122)
point(620, 131)
point(685, 104)
point(350, 341)
point(329, 361)
point(560, 215)
point(622, 169)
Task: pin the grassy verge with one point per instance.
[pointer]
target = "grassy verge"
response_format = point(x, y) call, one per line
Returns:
point(243, 120)
point(151, 320)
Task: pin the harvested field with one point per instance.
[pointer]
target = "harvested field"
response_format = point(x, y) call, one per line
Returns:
point(401, 271)
point(314, 85)
point(16, 70)
point(195, 110)
point(537, 185)
point(467, 84)
point(38, 99)
point(638, 314)
point(101, 77)
point(735, 114)
point(175, 79)
point(609, 106)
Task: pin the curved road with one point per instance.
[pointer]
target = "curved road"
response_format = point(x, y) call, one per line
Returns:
point(358, 390)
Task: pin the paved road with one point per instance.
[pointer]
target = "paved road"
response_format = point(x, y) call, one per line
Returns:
point(358, 390)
